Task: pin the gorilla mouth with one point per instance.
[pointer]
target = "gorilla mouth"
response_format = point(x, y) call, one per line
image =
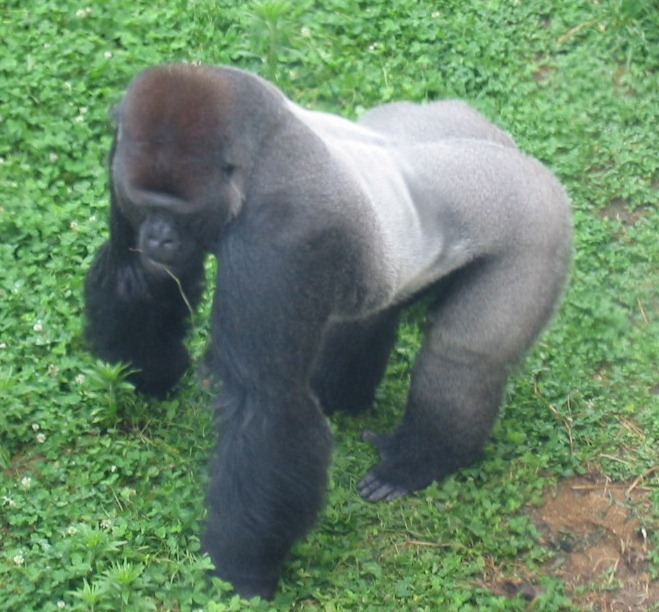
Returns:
point(166, 264)
point(156, 265)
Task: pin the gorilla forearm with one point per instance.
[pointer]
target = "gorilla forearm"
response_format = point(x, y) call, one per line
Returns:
point(139, 320)
point(268, 481)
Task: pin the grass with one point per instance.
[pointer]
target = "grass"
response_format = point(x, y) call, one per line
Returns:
point(101, 491)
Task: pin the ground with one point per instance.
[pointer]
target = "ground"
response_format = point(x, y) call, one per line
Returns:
point(601, 544)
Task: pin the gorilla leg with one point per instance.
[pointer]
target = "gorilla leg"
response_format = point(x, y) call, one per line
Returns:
point(267, 485)
point(450, 412)
point(352, 362)
point(488, 315)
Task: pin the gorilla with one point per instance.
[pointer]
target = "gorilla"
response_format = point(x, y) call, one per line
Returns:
point(324, 229)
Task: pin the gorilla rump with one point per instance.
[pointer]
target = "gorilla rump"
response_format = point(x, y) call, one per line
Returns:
point(325, 230)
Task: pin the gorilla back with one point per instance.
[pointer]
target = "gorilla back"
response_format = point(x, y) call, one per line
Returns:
point(325, 230)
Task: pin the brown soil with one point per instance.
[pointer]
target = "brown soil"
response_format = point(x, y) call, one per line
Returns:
point(601, 546)
point(617, 211)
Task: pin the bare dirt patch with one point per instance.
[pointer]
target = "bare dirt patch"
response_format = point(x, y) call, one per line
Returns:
point(600, 538)
point(617, 211)
point(601, 542)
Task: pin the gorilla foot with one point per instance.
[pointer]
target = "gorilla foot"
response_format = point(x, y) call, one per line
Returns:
point(374, 486)
point(377, 440)
point(249, 587)
point(374, 489)
point(396, 475)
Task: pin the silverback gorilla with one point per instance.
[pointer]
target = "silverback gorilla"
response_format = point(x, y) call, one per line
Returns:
point(324, 229)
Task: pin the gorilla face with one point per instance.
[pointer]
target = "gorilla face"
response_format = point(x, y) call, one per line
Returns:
point(175, 224)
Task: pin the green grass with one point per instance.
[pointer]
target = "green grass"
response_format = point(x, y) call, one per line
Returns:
point(101, 491)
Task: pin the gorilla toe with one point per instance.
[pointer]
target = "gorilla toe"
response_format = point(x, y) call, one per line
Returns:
point(373, 489)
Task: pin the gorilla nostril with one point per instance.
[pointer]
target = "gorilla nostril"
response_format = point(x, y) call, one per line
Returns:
point(156, 245)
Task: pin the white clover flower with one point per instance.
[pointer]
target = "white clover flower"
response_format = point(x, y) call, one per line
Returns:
point(19, 559)
point(38, 327)
point(26, 482)
point(53, 370)
point(36, 427)
point(3, 345)
point(71, 530)
point(107, 54)
point(8, 501)
point(73, 225)
point(106, 524)
point(41, 438)
point(82, 13)
point(79, 379)
point(61, 604)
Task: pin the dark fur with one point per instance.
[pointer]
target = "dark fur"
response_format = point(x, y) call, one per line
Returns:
point(318, 255)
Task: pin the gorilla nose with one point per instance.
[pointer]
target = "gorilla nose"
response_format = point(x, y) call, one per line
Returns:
point(159, 241)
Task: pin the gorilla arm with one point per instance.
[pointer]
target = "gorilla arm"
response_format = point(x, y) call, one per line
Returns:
point(135, 316)
point(274, 294)
point(173, 189)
